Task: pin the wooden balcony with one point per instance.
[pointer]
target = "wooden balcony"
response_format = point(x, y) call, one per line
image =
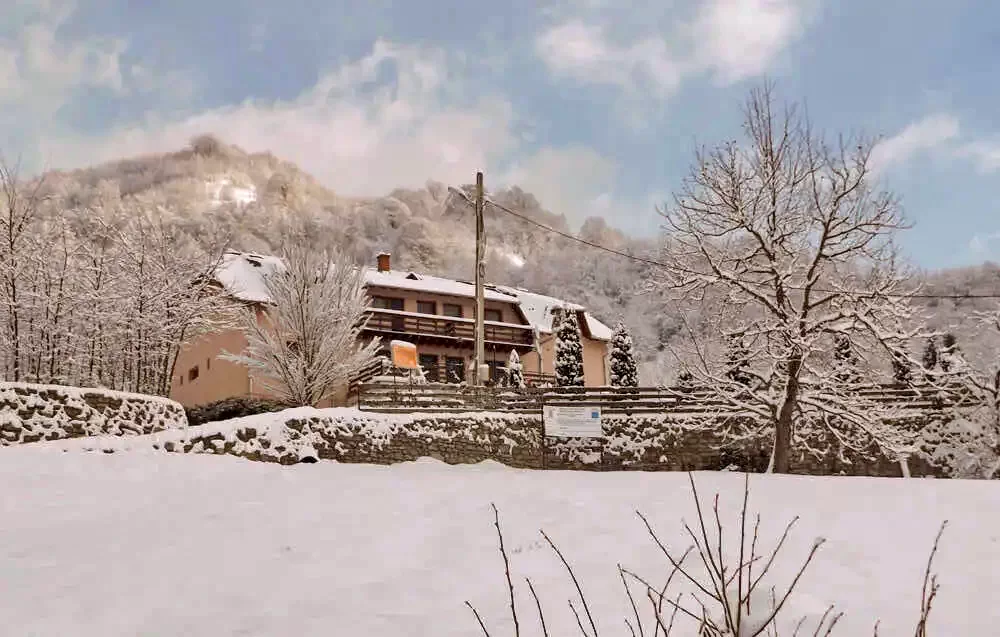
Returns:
point(446, 330)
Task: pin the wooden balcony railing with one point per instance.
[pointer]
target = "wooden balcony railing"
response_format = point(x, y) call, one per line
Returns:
point(446, 328)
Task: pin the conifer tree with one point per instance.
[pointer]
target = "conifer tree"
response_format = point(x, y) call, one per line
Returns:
point(515, 371)
point(845, 360)
point(685, 378)
point(950, 352)
point(930, 357)
point(569, 352)
point(951, 360)
point(902, 372)
point(738, 361)
point(624, 370)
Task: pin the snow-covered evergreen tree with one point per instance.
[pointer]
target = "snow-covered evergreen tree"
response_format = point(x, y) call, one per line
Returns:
point(685, 378)
point(738, 361)
point(624, 370)
point(930, 357)
point(951, 354)
point(569, 351)
point(845, 360)
point(515, 371)
point(902, 372)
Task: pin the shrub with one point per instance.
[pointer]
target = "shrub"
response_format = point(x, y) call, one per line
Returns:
point(232, 408)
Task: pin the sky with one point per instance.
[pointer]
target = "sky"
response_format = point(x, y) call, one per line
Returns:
point(594, 106)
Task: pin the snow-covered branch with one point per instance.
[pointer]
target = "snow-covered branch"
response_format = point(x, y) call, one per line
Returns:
point(788, 235)
point(305, 344)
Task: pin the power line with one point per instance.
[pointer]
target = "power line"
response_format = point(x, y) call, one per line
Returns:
point(653, 262)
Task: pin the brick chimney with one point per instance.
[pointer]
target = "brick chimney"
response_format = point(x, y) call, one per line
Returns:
point(382, 259)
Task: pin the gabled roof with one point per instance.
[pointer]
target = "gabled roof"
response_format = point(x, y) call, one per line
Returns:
point(403, 280)
point(539, 310)
point(242, 275)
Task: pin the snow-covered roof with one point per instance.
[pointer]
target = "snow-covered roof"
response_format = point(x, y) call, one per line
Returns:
point(242, 275)
point(538, 309)
point(432, 284)
point(598, 330)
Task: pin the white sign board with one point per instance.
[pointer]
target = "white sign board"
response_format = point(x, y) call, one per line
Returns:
point(572, 422)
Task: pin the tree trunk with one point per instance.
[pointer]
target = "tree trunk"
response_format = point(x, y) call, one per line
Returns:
point(783, 425)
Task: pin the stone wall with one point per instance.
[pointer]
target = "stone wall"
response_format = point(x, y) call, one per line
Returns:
point(30, 413)
point(650, 443)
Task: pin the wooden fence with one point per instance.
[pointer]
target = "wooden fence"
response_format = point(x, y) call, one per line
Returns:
point(439, 397)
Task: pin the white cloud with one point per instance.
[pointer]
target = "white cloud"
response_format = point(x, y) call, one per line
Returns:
point(584, 52)
point(923, 135)
point(574, 181)
point(733, 39)
point(40, 72)
point(985, 153)
point(355, 134)
point(742, 38)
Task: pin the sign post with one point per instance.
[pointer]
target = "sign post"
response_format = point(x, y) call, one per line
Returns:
point(570, 422)
point(404, 355)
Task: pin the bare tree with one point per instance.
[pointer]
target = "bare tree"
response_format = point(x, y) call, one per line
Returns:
point(730, 583)
point(306, 344)
point(19, 204)
point(784, 229)
point(103, 293)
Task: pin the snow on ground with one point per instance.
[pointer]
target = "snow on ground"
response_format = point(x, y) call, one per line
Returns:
point(223, 190)
point(144, 543)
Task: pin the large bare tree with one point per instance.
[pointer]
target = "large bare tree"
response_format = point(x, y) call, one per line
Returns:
point(19, 210)
point(306, 344)
point(790, 238)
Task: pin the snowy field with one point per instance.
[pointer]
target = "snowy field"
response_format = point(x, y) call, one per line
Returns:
point(144, 543)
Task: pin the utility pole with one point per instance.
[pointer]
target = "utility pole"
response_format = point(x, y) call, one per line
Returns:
point(480, 354)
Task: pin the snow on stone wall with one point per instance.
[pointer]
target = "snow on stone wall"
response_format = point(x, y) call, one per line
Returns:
point(29, 413)
point(648, 442)
point(967, 447)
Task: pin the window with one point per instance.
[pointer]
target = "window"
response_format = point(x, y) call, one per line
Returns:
point(397, 323)
point(454, 368)
point(193, 373)
point(208, 364)
point(493, 315)
point(429, 363)
point(387, 303)
point(452, 309)
point(427, 307)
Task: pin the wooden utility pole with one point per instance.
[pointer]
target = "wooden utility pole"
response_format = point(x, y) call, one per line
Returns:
point(480, 354)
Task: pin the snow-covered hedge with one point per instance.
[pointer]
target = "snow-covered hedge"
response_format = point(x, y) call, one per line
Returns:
point(29, 413)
